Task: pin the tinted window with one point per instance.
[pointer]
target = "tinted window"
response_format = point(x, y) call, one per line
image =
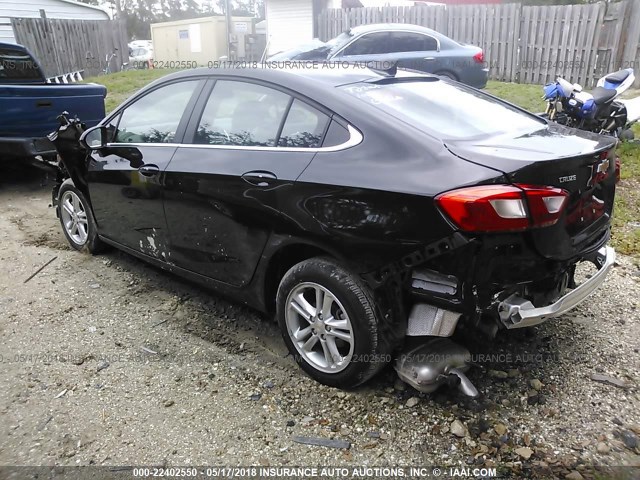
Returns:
point(304, 126)
point(370, 44)
point(450, 110)
point(336, 135)
point(412, 42)
point(155, 117)
point(17, 65)
point(240, 113)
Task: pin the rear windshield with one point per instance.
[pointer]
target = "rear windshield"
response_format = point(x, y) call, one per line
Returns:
point(446, 110)
point(17, 65)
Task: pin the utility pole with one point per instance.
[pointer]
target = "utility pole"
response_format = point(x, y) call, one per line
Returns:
point(227, 10)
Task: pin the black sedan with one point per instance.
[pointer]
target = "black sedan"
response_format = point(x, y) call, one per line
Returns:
point(365, 209)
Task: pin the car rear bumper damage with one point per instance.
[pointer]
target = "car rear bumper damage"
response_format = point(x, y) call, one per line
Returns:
point(517, 312)
point(438, 360)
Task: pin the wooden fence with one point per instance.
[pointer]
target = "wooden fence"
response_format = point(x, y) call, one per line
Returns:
point(64, 46)
point(525, 44)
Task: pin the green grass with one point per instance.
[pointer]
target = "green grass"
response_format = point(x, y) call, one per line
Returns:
point(525, 96)
point(626, 232)
point(122, 85)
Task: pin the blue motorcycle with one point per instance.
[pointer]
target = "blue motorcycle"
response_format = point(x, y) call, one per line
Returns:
point(598, 111)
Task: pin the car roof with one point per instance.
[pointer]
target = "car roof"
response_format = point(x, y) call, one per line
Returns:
point(296, 73)
point(381, 27)
point(13, 46)
point(317, 83)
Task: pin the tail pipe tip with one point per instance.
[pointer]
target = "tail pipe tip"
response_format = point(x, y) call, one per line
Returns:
point(464, 384)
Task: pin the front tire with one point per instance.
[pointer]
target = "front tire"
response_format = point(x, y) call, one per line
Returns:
point(76, 219)
point(330, 324)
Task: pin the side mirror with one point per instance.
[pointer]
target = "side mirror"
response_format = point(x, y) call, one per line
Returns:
point(94, 138)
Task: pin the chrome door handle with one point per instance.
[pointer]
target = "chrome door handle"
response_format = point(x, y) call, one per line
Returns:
point(149, 170)
point(259, 178)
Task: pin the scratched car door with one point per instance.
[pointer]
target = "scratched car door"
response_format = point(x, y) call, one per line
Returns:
point(125, 178)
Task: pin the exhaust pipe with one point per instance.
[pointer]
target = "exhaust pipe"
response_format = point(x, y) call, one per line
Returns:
point(439, 361)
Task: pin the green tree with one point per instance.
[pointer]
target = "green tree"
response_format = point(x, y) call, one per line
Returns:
point(244, 8)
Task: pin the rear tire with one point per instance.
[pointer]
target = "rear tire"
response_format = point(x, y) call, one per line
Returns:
point(627, 135)
point(77, 221)
point(340, 344)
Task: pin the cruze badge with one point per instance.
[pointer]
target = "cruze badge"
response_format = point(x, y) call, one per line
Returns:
point(568, 178)
point(604, 166)
point(599, 172)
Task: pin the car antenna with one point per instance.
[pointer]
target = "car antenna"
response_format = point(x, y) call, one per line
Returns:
point(387, 72)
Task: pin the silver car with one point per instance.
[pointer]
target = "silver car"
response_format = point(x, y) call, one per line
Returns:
point(410, 46)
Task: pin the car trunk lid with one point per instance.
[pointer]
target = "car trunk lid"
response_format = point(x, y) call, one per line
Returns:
point(581, 163)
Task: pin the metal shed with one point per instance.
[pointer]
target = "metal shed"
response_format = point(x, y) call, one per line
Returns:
point(200, 39)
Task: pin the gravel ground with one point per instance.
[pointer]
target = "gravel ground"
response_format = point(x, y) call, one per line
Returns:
point(108, 361)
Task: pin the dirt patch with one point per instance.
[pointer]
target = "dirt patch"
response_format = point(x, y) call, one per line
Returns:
point(108, 361)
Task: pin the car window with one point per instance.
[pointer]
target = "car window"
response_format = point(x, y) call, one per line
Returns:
point(412, 42)
point(18, 65)
point(155, 117)
point(242, 113)
point(369, 44)
point(451, 111)
point(336, 135)
point(304, 126)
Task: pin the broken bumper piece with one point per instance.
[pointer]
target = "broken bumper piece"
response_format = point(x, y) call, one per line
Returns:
point(517, 312)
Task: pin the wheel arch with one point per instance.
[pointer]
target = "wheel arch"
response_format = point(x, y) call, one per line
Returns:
point(448, 73)
point(281, 259)
point(83, 189)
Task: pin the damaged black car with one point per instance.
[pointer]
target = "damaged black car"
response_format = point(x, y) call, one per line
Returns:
point(373, 212)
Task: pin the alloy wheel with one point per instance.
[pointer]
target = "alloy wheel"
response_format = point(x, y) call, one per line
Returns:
point(319, 327)
point(74, 217)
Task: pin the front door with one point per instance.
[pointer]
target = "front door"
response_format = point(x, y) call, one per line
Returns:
point(125, 178)
point(372, 49)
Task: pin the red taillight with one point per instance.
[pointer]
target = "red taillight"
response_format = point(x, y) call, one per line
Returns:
point(503, 208)
point(618, 168)
point(479, 57)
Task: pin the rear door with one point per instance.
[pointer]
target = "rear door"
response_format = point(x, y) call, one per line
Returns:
point(226, 186)
point(125, 179)
point(416, 51)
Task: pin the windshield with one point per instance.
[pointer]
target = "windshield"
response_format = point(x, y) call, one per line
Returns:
point(314, 51)
point(450, 111)
point(340, 40)
point(17, 65)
